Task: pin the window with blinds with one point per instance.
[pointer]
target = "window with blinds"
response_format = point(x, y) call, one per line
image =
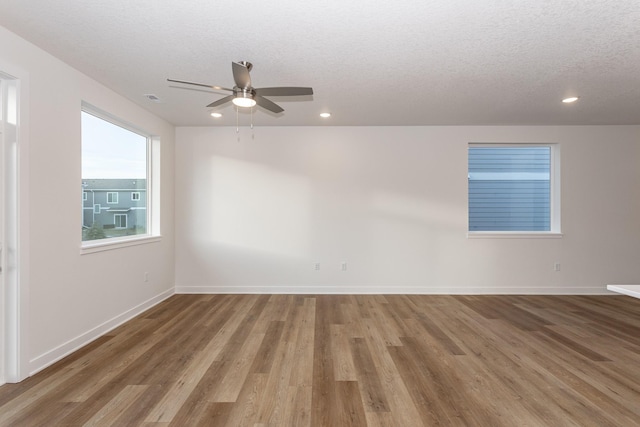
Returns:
point(510, 188)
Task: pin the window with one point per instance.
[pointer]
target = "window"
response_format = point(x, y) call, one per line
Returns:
point(84, 196)
point(120, 220)
point(513, 189)
point(115, 159)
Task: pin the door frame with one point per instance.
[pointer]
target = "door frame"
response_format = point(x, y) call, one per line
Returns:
point(15, 229)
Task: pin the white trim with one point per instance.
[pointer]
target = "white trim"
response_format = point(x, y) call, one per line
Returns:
point(103, 190)
point(556, 208)
point(388, 290)
point(16, 303)
point(116, 197)
point(50, 357)
point(133, 199)
point(630, 290)
point(154, 179)
point(109, 207)
point(513, 235)
point(93, 246)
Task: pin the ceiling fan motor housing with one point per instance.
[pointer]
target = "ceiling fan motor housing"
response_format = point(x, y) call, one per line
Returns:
point(244, 93)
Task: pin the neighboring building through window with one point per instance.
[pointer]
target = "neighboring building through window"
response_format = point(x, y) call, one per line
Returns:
point(511, 188)
point(110, 217)
point(114, 168)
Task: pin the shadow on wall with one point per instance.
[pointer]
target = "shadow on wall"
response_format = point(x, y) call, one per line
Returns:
point(251, 206)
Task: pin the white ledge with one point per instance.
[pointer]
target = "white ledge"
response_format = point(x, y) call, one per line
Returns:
point(94, 246)
point(631, 290)
point(513, 235)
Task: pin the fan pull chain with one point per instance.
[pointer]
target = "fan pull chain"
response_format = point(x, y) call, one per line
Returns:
point(237, 126)
point(251, 117)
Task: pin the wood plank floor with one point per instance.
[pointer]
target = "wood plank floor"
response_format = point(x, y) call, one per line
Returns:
point(300, 360)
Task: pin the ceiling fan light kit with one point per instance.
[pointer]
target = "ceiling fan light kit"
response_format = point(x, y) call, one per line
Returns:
point(246, 96)
point(244, 99)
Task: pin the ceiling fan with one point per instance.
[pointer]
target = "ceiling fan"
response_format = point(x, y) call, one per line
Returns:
point(245, 95)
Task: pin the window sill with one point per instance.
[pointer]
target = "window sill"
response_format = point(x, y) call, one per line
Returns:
point(513, 235)
point(116, 243)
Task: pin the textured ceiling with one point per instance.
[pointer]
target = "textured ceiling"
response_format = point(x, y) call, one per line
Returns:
point(405, 62)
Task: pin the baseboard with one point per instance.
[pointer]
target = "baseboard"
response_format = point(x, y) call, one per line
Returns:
point(389, 290)
point(50, 357)
point(630, 290)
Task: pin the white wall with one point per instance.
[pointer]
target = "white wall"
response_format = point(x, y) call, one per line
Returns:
point(73, 298)
point(256, 211)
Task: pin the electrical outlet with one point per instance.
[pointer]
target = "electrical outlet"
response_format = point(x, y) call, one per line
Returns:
point(343, 267)
point(146, 276)
point(317, 266)
point(556, 266)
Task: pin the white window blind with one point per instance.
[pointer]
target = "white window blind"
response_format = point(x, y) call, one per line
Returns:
point(510, 188)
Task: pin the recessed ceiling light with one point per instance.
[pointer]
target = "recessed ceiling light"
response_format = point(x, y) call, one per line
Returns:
point(325, 115)
point(216, 115)
point(570, 100)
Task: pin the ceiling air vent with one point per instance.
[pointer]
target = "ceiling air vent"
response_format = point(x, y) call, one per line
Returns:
point(152, 97)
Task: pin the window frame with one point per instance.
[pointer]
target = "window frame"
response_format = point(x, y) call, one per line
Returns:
point(152, 193)
point(112, 193)
point(554, 195)
point(135, 193)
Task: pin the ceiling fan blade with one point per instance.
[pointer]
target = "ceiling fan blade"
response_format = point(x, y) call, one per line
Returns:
point(201, 84)
point(269, 105)
point(221, 101)
point(284, 91)
point(241, 75)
